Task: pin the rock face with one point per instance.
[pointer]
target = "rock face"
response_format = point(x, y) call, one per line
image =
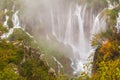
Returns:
point(52, 71)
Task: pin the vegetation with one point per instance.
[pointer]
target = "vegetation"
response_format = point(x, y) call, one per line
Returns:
point(20, 35)
point(2, 17)
point(10, 13)
point(22, 59)
point(107, 56)
point(3, 29)
point(106, 65)
point(19, 60)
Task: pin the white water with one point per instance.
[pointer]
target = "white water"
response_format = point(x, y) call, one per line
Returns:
point(15, 20)
point(76, 38)
point(60, 66)
point(5, 23)
point(6, 18)
point(118, 23)
point(98, 22)
point(112, 5)
point(16, 24)
point(68, 23)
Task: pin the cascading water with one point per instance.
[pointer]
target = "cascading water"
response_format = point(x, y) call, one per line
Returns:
point(112, 4)
point(72, 26)
point(16, 24)
point(97, 22)
point(5, 23)
point(118, 23)
point(15, 20)
point(59, 64)
point(80, 46)
point(6, 19)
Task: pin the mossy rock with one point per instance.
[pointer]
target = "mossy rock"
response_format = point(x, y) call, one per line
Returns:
point(10, 14)
point(19, 34)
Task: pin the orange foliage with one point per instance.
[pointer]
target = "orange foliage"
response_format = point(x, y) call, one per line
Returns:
point(106, 47)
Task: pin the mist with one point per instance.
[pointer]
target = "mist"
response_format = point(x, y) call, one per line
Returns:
point(38, 13)
point(66, 25)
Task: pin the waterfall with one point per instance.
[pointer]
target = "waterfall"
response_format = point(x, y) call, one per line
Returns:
point(15, 20)
point(68, 23)
point(16, 24)
point(99, 22)
point(118, 23)
point(6, 18)
point(60, 66)
point(5, 23)
point(81, 44)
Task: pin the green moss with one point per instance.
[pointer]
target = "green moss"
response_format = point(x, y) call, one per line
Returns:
point(10, 14)
point(9, 53)
point(8, 73)
point(112, 17)
point(36, 70)
point(20, 35)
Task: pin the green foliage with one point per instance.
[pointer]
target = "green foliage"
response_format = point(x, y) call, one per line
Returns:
point(11, 67)
point(112, 17)
point(9, 73)
point(20, 35)
point(10, 14)
point(3, 29)
point(9, 54)
point(107, 56)
point(106, 63)
point(33, 69)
